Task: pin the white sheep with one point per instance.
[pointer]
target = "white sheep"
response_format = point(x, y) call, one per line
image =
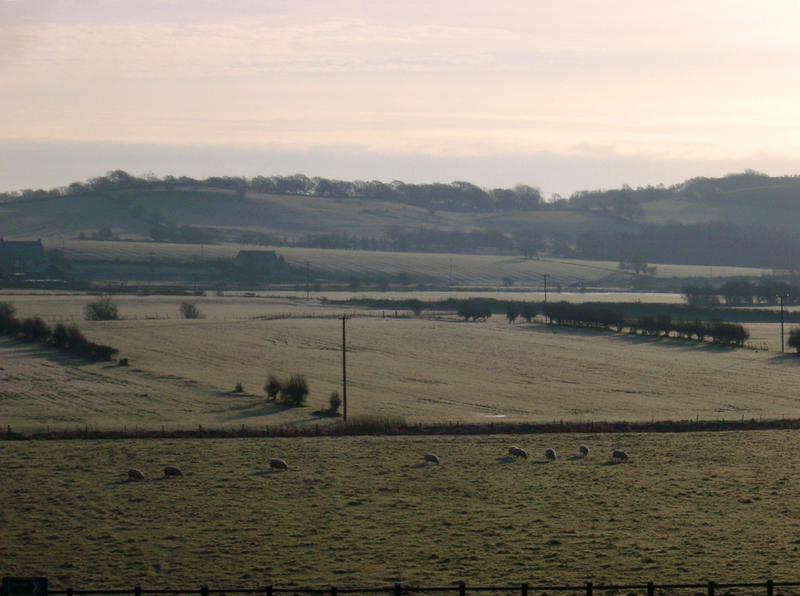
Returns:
point(584, 450)
point(550, 454)
point(620, 455)
point(517, 452)
point(430, 457)
point(134, 474)
point(172, 471)
point(277, 463)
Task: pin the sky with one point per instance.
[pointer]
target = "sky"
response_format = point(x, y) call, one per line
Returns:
point(564, 96)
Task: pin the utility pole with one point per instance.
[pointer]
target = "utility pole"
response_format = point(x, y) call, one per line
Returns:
point(546, 318)
point(545, 287)
point(781, 297)
point(308, 280)
point(344, 368)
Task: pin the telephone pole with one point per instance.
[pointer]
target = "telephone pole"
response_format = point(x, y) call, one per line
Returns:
point(781, 297)
point(344, 368)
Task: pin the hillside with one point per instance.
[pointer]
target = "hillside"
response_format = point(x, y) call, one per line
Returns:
point(742, 220)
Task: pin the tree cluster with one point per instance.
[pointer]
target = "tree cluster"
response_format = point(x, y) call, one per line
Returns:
point(598, 317)
point(36, 330)
point(474, 310)
point(741, 292)
point(694, 244)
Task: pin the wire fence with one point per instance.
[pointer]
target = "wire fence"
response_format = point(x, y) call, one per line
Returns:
point(711, 588)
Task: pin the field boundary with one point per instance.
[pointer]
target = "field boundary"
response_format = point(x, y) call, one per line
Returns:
point(460, 589)
point(395, 428)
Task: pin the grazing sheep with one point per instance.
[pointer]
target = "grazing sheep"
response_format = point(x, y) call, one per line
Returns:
point(172, 471)
point(620, 455)
point(430, 457)
point(517, 452)
point(134, 474)
point(278, 464)
point(584, 450)
point(550, 454)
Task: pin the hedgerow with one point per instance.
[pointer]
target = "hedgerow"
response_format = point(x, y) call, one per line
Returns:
point(66, 338)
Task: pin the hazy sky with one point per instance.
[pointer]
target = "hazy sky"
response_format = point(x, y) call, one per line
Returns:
point(562, 95)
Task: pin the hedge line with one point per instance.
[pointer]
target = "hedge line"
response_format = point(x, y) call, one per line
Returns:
point(598, 317)
point(36, 330)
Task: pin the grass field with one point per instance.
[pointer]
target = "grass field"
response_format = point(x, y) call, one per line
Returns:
point(435, 368)
point(486, 271)
point(368, 512)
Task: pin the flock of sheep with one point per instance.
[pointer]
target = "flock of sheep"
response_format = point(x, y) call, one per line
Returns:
point(550, 454)
point(134, 474)
point(280, 464)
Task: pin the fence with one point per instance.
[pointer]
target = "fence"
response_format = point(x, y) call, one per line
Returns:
point(710, 588)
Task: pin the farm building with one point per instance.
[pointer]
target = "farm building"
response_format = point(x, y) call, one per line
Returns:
point(21, 256)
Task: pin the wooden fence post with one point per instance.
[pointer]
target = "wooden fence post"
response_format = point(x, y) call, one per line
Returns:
point(137, 590)
point(398, 590)
point(588, 588)
point(334, 591)
point(524, 589)
point(651, 589)
point(69, 591)
point(204, 591)
point(770, 588)
point(268, 591)
point(462, 589)
point(710, 588)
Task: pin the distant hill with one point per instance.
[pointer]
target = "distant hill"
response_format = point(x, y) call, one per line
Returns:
point(739, 220)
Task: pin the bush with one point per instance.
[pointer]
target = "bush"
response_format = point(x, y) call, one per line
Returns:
point(102, 309)
point(295, 390)
point(189, 310)
point(35, 329)
point(794, 339)
point(335, 401)
point(101, 352)
point(238, 388)
point(273, 387)
point(9, 324)
point(415, 306)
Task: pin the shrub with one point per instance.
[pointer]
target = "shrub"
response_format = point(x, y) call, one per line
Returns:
point(35, 329)
point(415, 306)
point(101, 352)
point(102, 309)
point(238, 388)
point(273, 387)
point(295, 390)
point(189, 310)
point(794, 339)
point(335, 401)
point(512, 311)
point(9, 324)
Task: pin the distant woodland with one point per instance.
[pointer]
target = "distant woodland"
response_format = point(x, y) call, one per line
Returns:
point(616, 225)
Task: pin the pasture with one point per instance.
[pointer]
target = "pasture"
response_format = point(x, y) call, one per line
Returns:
point(433, 368)
point(367, 511)
point(486, 271)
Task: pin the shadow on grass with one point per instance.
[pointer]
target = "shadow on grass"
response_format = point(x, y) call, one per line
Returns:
point(21, 350)
point(675, 343)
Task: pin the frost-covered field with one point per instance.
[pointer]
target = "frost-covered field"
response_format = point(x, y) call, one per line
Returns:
point(368, 512)
point(435, 368)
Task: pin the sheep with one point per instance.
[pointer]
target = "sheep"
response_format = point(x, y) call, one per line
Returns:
point(277, 463)
point(430, 457)
point(584, 451)
point(517, 452)
point(550, 454)
point(134, 474)
point(620, 455)
point(172, 471)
